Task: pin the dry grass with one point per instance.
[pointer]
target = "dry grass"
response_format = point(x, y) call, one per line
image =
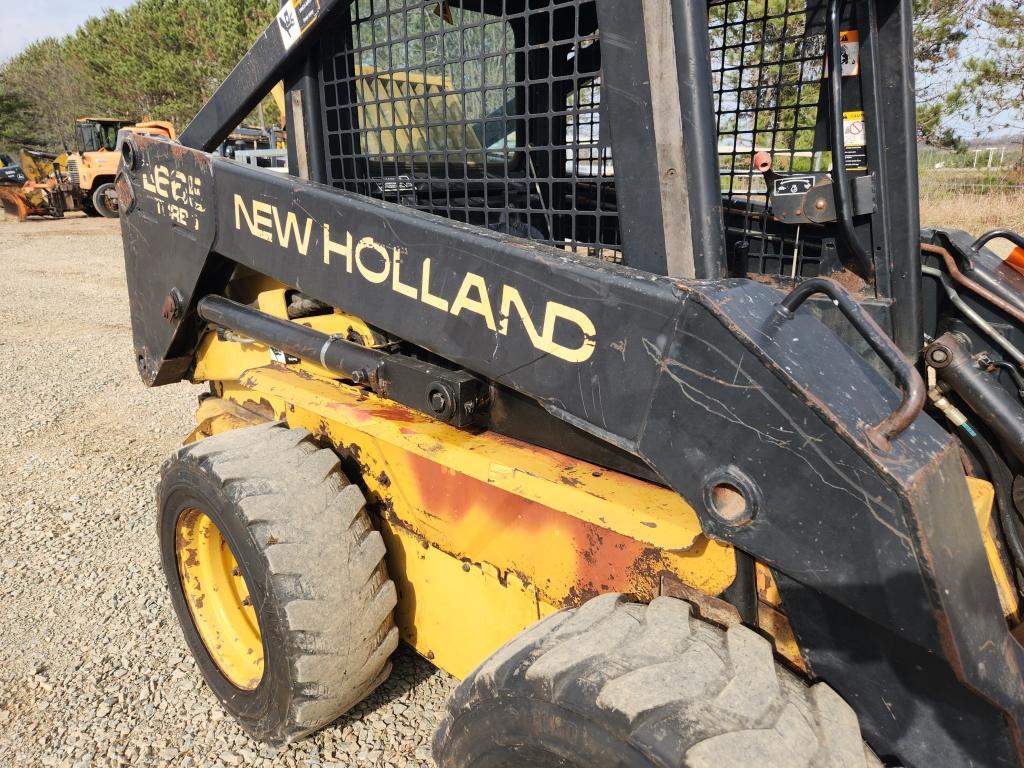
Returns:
point(975, 200)
point(975, 213)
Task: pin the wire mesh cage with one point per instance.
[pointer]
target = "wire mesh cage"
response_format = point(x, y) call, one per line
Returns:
point(767, 67)
point(489, 112)
point(768, 64)
point(483, 111)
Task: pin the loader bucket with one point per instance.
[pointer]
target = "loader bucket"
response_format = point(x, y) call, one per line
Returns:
point(15, 205)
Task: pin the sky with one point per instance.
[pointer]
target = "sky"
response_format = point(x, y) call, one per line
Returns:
point(25, 21)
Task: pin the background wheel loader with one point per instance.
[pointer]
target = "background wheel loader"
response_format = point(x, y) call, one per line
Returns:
point(41, 186)
point(10, 171)
point(78, 181)
point(593, 350)
point(93, 167)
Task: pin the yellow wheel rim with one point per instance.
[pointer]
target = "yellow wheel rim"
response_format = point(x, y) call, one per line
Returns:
point(218, 599)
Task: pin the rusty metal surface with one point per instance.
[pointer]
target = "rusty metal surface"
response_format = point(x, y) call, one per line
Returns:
point(570, 529)
point(973, 286)
point(707, 607)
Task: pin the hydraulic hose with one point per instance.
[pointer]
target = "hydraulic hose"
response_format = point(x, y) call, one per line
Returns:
point(840, 176)
point(972, 285)
point(988, 400)
point(983, 325)
point(1012, 371)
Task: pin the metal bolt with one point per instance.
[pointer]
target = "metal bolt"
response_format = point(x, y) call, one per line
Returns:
point(437, 401)
point(236, 572)
point(173, 304)
point(247, 601)
point(938, 356)
point(820, 204)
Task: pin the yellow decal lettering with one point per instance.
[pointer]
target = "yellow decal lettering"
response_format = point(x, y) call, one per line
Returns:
point(396, 283)
point(332, 247)
point(291, 225)
point(261, 216)
point(510, 297)
point(555, 312)
point(545, 340)
point(254, 222)
point(177, 185)
point(480, 305)
point(369, 244)
point(265, 221)
point(425, 295)
point(162, 176)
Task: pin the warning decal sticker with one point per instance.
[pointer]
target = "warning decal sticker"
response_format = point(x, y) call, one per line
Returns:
point(855, 141)
point(294, 18)
point(850, 42)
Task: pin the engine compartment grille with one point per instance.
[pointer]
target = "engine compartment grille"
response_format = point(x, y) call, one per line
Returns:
point(73, 172)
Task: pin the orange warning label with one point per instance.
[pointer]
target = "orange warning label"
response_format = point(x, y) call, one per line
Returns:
point(850, 43)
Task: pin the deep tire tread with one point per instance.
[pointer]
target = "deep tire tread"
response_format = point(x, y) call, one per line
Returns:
point(680, 691)
point(325, 565)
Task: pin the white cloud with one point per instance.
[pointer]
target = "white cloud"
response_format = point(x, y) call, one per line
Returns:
point(22, 23)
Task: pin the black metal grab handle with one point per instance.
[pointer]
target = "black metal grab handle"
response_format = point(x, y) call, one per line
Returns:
point(998, 234)
point(840, 177)
point(910, 383)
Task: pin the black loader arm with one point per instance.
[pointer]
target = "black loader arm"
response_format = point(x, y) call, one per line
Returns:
point(761, 418)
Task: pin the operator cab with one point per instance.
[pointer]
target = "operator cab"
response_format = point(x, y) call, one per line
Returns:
point(98, 134)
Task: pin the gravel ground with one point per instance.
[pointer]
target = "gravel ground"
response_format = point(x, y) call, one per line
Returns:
point(93, 668)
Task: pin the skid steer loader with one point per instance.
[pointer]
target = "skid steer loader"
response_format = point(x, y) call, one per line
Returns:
point(592, 349)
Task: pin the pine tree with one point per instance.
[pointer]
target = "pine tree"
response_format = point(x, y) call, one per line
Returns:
point(993, 91)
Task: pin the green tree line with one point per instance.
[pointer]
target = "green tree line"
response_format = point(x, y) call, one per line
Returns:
point(157, 59)
point(970, 64)
point(162, 59)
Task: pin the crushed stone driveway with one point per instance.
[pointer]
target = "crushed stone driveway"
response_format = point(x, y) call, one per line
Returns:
point(93, 667)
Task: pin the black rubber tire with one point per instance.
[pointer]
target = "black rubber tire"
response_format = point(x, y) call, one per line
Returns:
point(623, 685)
point(89, 209)
point(99, 201)
point(314, 565)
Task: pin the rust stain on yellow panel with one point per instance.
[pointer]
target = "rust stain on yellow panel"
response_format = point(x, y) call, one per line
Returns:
point(772, 620)
point(486, 533)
